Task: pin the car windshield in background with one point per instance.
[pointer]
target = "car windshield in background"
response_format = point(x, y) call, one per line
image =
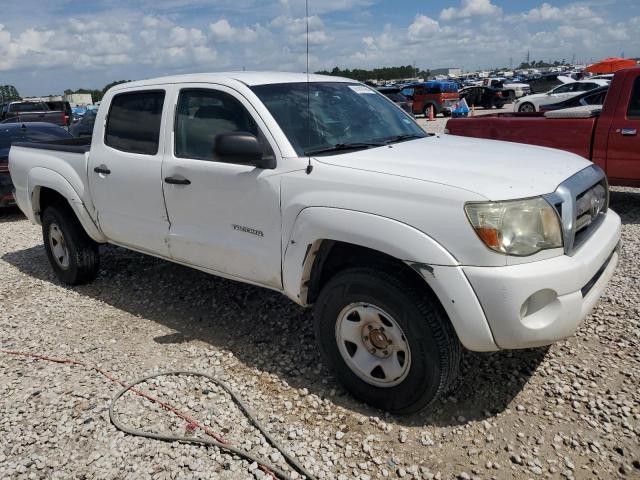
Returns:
point(341, 117)
point(28, 107)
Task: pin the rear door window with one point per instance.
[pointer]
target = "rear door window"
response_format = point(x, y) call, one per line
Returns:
point(133, 124)
point(633, 111)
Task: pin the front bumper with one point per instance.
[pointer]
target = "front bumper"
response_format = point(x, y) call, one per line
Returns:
point(538, 303)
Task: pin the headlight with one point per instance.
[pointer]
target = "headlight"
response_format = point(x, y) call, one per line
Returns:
point(516, 227)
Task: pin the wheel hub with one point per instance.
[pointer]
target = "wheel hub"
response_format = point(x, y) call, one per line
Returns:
point(373, 345)
point(59, 248)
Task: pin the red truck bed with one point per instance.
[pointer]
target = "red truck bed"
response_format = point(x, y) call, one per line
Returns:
point(573, 134)
point(610, 138)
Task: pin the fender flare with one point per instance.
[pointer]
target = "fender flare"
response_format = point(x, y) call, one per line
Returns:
point(40, 177)
point(439, 268)
point(315, 224)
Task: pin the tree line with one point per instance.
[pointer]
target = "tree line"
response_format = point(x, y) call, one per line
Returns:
point(8, 93)
point(383, 73)
point(96, 95)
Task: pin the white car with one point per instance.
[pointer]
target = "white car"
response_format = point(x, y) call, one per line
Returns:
point(510, 89)
point(409, 246)
point(531, 103)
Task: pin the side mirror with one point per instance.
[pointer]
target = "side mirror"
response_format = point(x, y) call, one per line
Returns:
point(241, 148)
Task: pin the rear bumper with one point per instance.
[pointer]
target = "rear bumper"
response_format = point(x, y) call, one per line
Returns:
point(538, 303)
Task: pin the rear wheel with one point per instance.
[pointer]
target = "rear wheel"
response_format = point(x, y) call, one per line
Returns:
point(389, 344)
point(72, 254)
point(526, 107)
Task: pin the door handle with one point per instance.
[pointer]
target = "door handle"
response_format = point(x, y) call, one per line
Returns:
point(627, 131)
point(102, 169)
point(177, 181)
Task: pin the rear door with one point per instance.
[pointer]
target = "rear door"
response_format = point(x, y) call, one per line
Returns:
point(125, 167)
point(623, 152)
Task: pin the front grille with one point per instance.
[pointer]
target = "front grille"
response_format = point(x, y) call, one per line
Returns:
point(590, 208)
point(582, 202)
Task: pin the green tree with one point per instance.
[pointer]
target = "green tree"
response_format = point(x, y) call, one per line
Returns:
point(96, 94)
point(9, 93)
point(383, 73)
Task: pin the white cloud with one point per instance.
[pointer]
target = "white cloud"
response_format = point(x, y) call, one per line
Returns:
point(223, 31)
point(423, 27)
point(470, 8)
point(575, 14)
point(296, 28)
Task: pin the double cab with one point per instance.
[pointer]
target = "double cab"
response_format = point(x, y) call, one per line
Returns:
point(409, 246)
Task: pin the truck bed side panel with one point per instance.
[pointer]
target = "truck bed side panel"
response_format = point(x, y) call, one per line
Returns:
point(573, 135)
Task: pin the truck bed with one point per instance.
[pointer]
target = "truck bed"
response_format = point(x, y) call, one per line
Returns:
point(571, 134)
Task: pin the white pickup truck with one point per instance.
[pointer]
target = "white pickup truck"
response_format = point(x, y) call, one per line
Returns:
point(409, 245)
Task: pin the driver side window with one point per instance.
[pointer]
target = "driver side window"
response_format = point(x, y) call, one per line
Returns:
point(566, 88)
point(202, 114)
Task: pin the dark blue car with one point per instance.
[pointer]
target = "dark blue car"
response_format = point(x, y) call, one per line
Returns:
point(22, 132)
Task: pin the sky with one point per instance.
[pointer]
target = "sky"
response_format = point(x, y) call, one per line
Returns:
point(47, 46)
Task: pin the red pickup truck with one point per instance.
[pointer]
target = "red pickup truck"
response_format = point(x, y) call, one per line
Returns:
point(609, 138)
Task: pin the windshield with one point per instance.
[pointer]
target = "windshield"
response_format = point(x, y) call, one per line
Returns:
point(340, 114)
point(28, 107)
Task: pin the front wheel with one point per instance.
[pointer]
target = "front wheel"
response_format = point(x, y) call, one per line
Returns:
point(389, 344)
point(72, 254)
point(526, 107)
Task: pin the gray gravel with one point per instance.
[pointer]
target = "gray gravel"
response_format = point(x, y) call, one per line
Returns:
point(570, 411)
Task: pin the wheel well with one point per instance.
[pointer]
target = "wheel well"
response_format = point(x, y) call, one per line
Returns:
point(332, 257)
point(47, 197)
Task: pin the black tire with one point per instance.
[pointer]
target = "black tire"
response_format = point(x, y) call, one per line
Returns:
point(83, 260)
point(434, 346)
point(527, 107)
point(425, 110)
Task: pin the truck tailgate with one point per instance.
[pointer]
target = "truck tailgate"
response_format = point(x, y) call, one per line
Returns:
point(570, 134)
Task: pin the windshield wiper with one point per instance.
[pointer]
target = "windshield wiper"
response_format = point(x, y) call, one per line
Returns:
point(338, 147)
point(400, 138)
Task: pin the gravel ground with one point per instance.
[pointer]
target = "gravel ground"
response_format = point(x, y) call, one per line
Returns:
point(569, 411)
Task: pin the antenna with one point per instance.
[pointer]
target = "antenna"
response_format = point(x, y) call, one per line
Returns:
point(309, 166)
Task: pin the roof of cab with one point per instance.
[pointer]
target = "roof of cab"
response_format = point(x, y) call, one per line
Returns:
point(248, 78)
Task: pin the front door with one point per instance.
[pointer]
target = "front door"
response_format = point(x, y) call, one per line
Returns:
point(623, 152)
point(125, 171)
point(224, 217)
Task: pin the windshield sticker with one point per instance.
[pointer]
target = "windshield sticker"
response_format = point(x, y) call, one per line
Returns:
point(360, 89)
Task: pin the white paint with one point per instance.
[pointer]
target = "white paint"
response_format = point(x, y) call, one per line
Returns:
point(258, 226)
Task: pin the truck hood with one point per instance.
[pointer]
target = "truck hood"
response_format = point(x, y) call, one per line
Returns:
point(493, 169)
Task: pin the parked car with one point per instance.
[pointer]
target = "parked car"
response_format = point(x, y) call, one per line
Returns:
point(510, 90)
point(24, 112)
point(62, 106)
point(84, 125)
point(408, 245)
point(592, 97)
point(440, 95)
point(544, 83)
point(531, 103)
point(28, 132)
point(607, 136)
point(485, 97)
point(393, 93)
